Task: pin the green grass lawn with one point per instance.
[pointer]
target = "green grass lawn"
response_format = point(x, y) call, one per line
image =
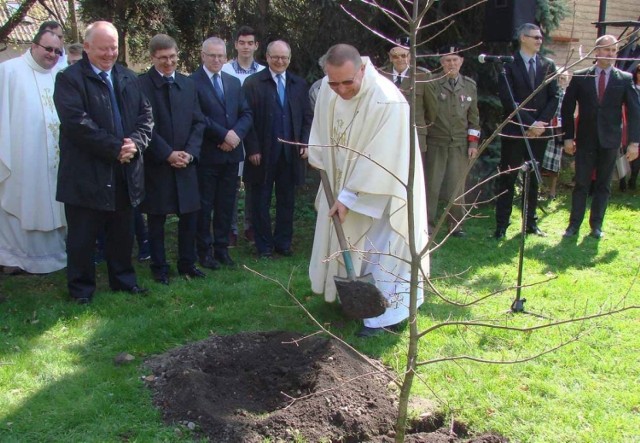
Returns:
point(58, 381)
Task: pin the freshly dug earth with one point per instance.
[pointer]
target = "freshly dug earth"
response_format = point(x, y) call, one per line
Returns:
point(279, 386)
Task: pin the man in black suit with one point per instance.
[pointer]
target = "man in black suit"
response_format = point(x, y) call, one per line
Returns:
point(527, 72)
point(600, 91)
point(105, 125)
point(171, 179)
point(281, 111)
point(227, 121)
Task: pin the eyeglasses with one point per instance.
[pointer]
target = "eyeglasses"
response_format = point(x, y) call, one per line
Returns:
point(167, 58)
point(282, 58)
point(535, 37)
point(343, 83)
point(49, 49)
point(216, 56)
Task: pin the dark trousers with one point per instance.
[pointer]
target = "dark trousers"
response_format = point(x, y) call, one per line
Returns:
point(603, 161)
point(84, 224)
point(217, 185)
point(186, 242)
point(513, 154)
point(279, 175)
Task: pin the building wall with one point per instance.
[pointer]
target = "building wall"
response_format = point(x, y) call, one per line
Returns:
point(577, 33)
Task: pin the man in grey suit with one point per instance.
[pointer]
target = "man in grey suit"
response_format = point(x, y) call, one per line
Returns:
point(600, 92)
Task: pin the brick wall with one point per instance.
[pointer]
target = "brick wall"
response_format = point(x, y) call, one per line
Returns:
point(577, 30)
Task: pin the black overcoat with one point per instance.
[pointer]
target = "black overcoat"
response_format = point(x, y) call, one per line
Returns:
point(178, 126)
point(89, 146)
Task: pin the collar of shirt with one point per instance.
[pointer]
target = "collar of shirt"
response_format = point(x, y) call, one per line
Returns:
point(402, 74)
point(210, 74)
point(240, 70)
point(173, 74)
point(275, 79)
point(526, 59)
point(98, 71)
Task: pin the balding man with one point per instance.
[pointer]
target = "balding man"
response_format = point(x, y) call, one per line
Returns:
point(32, 225)
point(360, 137)
point(105, 125)
point(281, 111)
point(599, 91)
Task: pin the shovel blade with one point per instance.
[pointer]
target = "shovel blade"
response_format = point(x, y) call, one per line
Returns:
point(360, 298)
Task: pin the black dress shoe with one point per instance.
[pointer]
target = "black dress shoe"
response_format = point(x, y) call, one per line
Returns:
point(458, 233)
point(224, 258)
point(500, 234)
point(193, 272)
point(534, 229)
point(283, 252)
point(209, 263)
point(597, 233)
point(571, 231)
point(136, 290)
point(161, 278)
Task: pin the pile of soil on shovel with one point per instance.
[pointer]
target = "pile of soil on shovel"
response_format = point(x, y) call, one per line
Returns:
point(279, 386)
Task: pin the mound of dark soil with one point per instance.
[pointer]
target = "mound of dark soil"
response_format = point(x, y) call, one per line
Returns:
point(250, 386)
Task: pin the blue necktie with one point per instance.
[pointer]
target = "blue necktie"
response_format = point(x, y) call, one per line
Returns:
point(280, 89)
point(117, 118)
point(217, 87)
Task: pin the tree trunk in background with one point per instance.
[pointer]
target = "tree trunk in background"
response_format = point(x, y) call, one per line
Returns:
point(72, 22)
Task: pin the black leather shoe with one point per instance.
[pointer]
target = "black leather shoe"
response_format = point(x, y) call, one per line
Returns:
point(161, 278)
point(500, 234)
point(458, 233)
point(209, 263)
point(136, 290)
point(597, 233)
point(284, 252)
point(193, 272)
point(571, 231)
point(534, 229)
point(224, 258)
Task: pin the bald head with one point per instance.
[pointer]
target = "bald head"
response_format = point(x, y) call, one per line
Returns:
point(101, 45)
point(606, 51)
point(339, 54)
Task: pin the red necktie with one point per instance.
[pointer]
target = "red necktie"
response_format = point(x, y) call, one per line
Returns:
point(601, 85)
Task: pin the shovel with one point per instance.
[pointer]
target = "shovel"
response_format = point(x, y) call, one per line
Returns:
point(359, 296)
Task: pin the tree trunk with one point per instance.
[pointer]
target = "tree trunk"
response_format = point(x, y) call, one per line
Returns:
point(15, 19)
point(73, 21)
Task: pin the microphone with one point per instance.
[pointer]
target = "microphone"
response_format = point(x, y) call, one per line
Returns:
point(484, 58)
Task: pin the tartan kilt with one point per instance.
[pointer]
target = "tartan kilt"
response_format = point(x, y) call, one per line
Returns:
point(552, 156)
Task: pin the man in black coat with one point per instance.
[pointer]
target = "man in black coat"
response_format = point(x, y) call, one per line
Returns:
point(527, 72)
point(600, 92)
point(281, 111)
point(171, 180)
point(227, 121)
point(105, 125)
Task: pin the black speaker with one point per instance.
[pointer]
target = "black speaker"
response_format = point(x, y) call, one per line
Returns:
point(502, 18)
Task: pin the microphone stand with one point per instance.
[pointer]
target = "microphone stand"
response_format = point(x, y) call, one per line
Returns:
point(517, 307)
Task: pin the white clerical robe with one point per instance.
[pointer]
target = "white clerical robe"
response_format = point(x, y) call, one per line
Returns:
point(32, 222)
point(374, 127)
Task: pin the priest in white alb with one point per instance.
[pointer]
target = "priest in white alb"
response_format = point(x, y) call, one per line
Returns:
point(360, 137)
point(32, 222)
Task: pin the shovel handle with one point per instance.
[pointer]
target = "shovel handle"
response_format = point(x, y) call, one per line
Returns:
point(348, 264)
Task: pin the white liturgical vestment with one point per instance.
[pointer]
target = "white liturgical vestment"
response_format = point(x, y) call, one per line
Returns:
point(362, 143)
point(32, 222)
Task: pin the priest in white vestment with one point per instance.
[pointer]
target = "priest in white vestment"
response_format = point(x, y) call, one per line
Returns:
point(359, 109)
point(32, 222)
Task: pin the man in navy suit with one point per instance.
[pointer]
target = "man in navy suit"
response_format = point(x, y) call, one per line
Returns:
point(227, 121)
point(527, 72)
point(600, 91)
point(171, 180)
point(281, 111)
